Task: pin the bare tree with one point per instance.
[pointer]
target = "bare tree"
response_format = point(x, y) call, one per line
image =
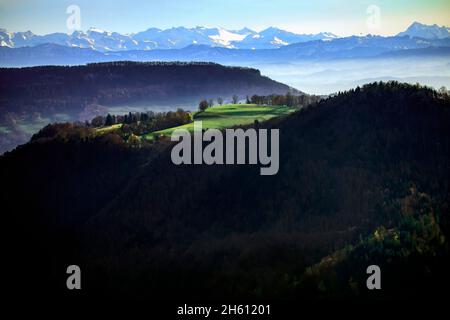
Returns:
point(220, 101)
point(235, 99)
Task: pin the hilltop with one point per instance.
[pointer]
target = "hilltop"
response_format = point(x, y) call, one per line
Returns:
point(363, 179)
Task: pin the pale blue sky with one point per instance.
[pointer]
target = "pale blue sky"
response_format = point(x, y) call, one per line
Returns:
point(303, 16)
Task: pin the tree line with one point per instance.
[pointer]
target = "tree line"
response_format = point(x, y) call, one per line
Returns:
point(288, 99)
point(140, 123)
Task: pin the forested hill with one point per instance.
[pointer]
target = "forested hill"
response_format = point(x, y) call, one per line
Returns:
point(364, 179)
point(50, 89)
point(30, 98)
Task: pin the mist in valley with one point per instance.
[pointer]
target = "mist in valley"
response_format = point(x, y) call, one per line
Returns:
point(330, 76)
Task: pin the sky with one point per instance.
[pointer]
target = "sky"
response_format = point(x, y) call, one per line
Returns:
point(384, 17)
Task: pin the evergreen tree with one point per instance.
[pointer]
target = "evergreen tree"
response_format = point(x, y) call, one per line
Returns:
point(109, 120)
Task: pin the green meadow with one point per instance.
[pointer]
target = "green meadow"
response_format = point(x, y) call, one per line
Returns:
point(228, 116)
point(108, 128)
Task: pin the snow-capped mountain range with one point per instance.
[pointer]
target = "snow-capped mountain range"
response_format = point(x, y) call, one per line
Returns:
point(180, 37)
point(154, 38)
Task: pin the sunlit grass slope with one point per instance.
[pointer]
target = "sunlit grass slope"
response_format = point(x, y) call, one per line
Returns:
point(228, 116)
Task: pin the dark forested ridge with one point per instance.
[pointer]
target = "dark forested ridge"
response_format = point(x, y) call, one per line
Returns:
point(57, 88)
point(364, 179)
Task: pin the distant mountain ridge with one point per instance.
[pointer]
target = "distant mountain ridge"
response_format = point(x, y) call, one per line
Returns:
point(181, 37)
point(154, 38)
point(341, 48)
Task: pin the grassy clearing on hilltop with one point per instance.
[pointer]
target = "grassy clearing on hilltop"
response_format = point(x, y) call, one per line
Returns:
point(228, 116)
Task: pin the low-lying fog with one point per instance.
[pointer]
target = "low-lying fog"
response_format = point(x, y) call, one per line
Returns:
point(325, 77)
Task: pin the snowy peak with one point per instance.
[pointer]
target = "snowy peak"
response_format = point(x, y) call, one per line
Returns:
point(96, 30)
point(419, 30)
point(226, 38)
